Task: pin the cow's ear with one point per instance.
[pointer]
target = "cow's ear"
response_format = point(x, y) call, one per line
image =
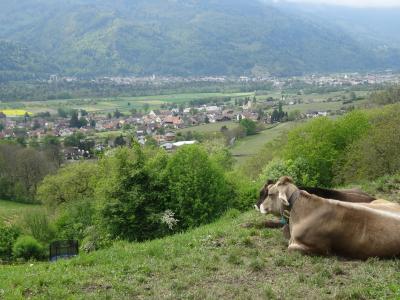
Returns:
point(282, 196)
point(285, 179)
point(269, 181)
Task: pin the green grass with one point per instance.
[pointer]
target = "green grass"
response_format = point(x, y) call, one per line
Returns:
point(253, 144)
point(124, 104)
point(219, 261)
point(10, 211)
point(211, 127)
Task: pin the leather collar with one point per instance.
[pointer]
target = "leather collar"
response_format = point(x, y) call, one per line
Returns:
point(285, 216)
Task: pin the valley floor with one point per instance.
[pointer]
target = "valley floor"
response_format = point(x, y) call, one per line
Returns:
point(223, 260)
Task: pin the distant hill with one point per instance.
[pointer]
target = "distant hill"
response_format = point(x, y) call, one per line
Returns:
point(374, 27)
point(17, 62)
point(181, 37)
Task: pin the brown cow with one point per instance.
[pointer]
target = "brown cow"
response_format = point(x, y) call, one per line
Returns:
point(325, 226)
point(346, 195)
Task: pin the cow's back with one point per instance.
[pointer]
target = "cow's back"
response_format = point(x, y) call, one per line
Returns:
point(350, 229)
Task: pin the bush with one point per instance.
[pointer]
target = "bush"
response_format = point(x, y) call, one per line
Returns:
point(198, 189)
point(249, 126)
point(375, 154)
point(71, 183)
point(74, 219)
point(298, 169)
point(8, 236)
point(244, 191)
point(131, 195)
point(27, 247)
point(320, 144)
point(37, 224)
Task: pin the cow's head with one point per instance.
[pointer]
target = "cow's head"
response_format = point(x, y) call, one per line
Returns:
point(263, 194)
point(278, 196)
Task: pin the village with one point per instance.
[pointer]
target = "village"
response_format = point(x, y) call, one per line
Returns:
point(85, 134)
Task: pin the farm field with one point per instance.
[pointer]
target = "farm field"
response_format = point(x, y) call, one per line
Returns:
point(14, 112)
point(124, 104)
point(223, 260)
point(10, 211)
point(253, 144)
point(211, 127)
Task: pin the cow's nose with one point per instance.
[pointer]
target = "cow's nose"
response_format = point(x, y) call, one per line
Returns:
point(256, 207)
point(263, 210)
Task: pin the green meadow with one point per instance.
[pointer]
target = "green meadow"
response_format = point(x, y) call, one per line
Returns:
point(233, 258)
point(124, 104)
point(11, 211)
point(251, 145)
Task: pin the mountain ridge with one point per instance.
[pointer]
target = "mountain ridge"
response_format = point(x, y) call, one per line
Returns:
point(176, 37)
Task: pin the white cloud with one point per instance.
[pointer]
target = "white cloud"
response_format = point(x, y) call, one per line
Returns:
point(359, 3)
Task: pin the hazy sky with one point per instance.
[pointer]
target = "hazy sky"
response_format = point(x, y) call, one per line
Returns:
point(360, 3)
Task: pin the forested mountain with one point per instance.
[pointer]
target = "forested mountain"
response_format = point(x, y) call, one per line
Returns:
point(17, 62)
point(178, 37)
point(372, 26)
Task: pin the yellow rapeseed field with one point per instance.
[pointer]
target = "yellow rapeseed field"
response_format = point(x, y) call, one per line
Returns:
point(13, 112)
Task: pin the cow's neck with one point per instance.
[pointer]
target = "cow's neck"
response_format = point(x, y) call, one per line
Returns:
point(286, 211)
point(293, 198)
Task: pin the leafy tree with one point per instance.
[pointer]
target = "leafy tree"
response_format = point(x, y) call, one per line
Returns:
point(119, 141)
point(249, 126)
point(151, 142)
point(74, 140)
point(321, 143)
point(52, 147)
point(83, 122)
point(62, 113)
point(129, 200)
point(117, 114)
point(74, 121)
point(294, 115)
point(198, 190)
point(74, 182)
point(314, 142)
point(376, 153)
point(8, 236)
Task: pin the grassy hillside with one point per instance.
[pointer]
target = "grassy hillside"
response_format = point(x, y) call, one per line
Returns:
point(221, 260)
point(86, 37)
point(253, 144)
point(9, 211)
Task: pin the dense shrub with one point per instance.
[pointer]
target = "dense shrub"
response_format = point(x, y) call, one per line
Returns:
point(298, 169)
point(375, 154)
point(198, 190)
point(74, 219)
point(321, 143)
point(8, 236)
point(144, 193)
point(244, 190)
point(74, 182)
point(249, 126)
point(27, 247)
point(130, 199)
point(37, 224)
